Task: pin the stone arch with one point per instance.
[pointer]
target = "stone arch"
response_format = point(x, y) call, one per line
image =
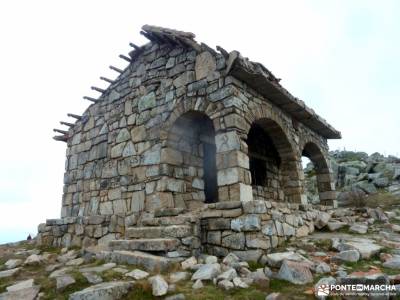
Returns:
point(185, 105)
point(325, 182)
point(189, 155)
point(269, 145)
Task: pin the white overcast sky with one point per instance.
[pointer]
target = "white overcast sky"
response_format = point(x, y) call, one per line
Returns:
point(340, 57)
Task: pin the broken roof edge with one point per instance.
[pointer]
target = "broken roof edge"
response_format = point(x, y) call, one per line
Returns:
point(255, 75)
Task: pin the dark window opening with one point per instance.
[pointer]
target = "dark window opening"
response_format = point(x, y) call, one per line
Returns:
point(263, 156)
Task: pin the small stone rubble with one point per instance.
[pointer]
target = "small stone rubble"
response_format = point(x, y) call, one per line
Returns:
point(340, 257)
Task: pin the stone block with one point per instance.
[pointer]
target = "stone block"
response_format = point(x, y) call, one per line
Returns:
point(234, 241)
point(227, 141)
point(159, 200)
point(205, 65)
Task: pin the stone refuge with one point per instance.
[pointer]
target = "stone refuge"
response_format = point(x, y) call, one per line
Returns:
point(189, 150)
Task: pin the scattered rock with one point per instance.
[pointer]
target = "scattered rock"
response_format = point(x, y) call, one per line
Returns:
point(275, 296)
point(75, 262)
point(225, 284)
point(207, 272)
point(347, 256)
point(322, 220)
point(276, 259)
point(322, 268)
point(178, 276)
point(333, 226)
point(13, 263)
point(33, 259)
point(137, 274)
point(176, 297)
point(393, 263)
point(98, 269)
point(228, 274)
point(25, 294)
point(9, 273)
point(197, 285)
point(159, 285)
point(238, 282)
point(106, 290)
point(189, 263)
point(64, 281)
point(20, 285)
point(358, 228)
point(92, 278)
point(295, 272)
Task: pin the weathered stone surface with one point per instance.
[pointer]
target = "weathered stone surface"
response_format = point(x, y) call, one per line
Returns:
point(159, 244)
point(207, 272)
point(234, 241)
point(106, 290)
point(64, 281)
point(295, 272)
point(26, 294)
point(148, 261)
point(98, 269)
point(225, 284)
point(347, 256)
point(366, 247)
point(276, 259)
point(359, 228)
point(197, 285)
point(33, 259)
point(333, 226)
point(322, 220)
point(393, 263)
point(21, 285)
point(189, 263)
point(137, 274)
point(92, 278)
point(246, 223)
point(9, 273)
point(205, 64)
point(13, 263)
point(159, 285)
point(178, 276)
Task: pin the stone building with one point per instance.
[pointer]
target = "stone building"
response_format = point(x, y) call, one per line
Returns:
point(183, 126)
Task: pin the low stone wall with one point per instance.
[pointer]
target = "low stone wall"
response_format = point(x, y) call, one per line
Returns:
point(81, 231)
point(250, 229)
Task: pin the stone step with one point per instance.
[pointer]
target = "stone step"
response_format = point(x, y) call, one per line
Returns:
point(173, 231)
point(158, 244)
point(148, 261)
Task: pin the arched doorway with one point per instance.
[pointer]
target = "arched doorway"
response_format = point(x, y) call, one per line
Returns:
point(318, 183)
point(273, 163)
point(192, 136)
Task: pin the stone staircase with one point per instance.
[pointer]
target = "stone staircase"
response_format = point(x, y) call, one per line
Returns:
point(156, 242)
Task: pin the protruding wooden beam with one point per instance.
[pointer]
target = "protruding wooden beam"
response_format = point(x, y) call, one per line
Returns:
point(91, 99)
point(60, 138)
point(116, 69)
point(107, 80)
point(60, 131)
point(124, 57)
point(66, 124)
point(134, 46)
point(95, 88)
point(149, 36)
point(78, 117)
